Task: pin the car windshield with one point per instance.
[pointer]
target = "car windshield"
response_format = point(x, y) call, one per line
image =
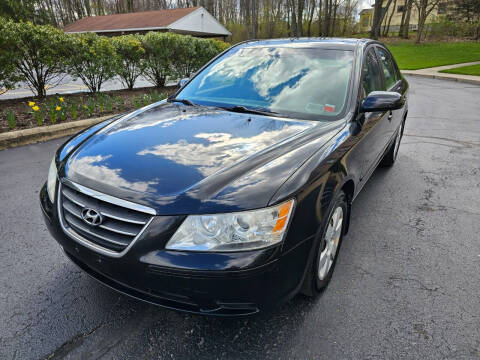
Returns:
point(305, 83)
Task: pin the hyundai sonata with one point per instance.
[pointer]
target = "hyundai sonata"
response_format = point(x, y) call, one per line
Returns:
point(234, 194)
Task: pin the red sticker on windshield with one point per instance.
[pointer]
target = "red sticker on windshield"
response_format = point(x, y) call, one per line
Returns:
point(329, 108)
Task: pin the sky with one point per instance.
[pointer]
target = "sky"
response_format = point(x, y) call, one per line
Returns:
point(365, 4)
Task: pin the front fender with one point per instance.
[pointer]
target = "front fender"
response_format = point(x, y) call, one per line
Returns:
point(314, 185)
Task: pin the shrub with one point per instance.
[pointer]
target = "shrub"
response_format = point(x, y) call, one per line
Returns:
point(41, 55)
point(120, 103)
point(184, 56)
point(74, 107)
point(137, 102)
point(89, 108)
point(53, 108)
point(93, 59)
point(100, 102)
point(37, 52)
point(131, 53)
point(449, 28)
point(39, 114)
point(62, 112)
point(8, 73)
point(146, 99)
point(155, 96)
point(11, 118)
point(84, 109)
point(108, 103)
point(159, 54)
point(192, 53)
point(205, 50)
point(220, 46)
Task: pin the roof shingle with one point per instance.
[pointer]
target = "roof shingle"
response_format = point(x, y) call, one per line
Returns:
point(138, 20)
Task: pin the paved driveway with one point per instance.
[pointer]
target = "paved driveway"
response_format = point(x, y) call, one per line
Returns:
point(68, 85)
point(406, 285)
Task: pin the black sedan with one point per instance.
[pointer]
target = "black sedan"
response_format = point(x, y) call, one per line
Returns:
point(234, 194)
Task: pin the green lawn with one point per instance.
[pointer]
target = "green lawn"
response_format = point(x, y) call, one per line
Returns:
point(465, 70)
point(411, 57)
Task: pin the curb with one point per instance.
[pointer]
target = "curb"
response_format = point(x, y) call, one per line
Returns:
point(30, 136)
point(443, 77)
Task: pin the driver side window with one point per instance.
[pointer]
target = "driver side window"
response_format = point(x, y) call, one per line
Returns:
point(371, 76)
point(389, 71)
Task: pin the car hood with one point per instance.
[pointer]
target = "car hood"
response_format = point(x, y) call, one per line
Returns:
point(190, 159)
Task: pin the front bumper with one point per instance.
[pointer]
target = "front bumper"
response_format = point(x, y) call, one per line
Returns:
point(239, 283)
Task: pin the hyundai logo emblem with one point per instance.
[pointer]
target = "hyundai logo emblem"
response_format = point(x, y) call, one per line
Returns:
point(91, 217)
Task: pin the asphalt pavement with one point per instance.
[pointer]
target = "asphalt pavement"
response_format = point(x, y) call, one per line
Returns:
point(406, 285)
point(69, 85)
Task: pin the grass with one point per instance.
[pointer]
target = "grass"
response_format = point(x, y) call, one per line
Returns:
point(412, 57)
point(464, 70)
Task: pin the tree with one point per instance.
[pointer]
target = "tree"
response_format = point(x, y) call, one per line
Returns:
point(387, 25)
point(131, 52)
point(349, 7)
point(405, 21)
point(469, 10)
point(300, 8)
point(379, 13)
point(310, 17)
point(320, 25)
point(425, 7)
point(38, 53)
point(93, 59)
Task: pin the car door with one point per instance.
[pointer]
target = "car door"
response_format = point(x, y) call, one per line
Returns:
point(375, 131)
point(393, 82)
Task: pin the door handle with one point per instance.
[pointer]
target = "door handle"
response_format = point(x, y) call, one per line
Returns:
point(390, 115)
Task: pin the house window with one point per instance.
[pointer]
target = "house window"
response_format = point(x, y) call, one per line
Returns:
point(401, 8)
point(442, 8)
point(365, 20)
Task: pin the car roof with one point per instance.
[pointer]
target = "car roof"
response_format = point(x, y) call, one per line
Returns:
point(330, 43)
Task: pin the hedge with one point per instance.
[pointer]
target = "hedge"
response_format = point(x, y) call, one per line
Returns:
point(42, 55)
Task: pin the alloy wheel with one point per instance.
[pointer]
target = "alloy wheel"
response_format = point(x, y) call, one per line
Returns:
point(332, 239)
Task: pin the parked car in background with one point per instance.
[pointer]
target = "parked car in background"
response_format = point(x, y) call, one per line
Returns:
point(235, 193)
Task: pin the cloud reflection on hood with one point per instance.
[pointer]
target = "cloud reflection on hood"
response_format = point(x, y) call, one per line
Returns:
point(92, 167)
point(219, 150)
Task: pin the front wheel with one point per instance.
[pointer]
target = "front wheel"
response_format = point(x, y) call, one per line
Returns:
point(326, 253)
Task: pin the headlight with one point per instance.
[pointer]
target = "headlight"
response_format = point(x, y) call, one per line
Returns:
point(239, 231)
point(52, 180)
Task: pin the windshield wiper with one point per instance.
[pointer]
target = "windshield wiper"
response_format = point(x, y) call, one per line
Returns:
point(243, 109)
point(183, 101)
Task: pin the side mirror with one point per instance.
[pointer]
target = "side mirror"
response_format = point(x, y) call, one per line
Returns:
point(382, 101)
point(183, 82)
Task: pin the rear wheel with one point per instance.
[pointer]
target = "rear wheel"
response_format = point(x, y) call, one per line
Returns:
point(327, 248)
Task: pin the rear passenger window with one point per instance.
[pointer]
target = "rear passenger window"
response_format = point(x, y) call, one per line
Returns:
point(389, 70)
point(371, 76)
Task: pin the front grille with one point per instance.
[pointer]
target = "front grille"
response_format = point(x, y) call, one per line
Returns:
point(122, 221)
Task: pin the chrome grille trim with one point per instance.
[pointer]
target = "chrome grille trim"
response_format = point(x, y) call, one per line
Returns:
point(117, 231)
point(83, 228)
point(121, 232)
point(109, 199)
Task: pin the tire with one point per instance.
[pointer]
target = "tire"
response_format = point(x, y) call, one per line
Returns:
point(330, 237)
point(391, 155)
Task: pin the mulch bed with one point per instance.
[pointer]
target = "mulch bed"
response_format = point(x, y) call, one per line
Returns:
point(25, 118)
